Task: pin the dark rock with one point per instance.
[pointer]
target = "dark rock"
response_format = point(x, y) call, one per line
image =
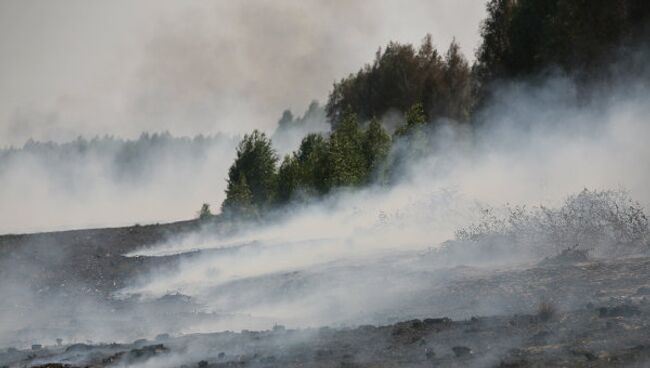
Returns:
point(203, 364)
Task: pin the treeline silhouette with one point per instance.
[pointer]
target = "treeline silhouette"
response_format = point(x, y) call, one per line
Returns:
point(420, 87)
point(127, 161)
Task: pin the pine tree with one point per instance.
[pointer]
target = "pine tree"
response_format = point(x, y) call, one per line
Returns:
point(458, 99)
point(204, 212)
point(376, 144)
point(239, 200)
point(313, 158)
point(289, 180)
point(256, 162)
point(346, 160)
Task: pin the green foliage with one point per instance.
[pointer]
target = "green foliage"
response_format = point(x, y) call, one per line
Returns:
point(376, 144)
point(401, 77)
point(239, 200)
point(520, 38)
point(289, 179)
point(414, 119)
point(313, 158)
point(525, 37)
point(347, 164)
point(254, 168)
point(205, 213)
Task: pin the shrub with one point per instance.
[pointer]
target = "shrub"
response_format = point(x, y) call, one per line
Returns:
point(604, 222)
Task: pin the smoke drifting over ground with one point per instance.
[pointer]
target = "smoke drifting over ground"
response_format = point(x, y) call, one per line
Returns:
point(421, 247)
point(375, 255)
point(357, 257)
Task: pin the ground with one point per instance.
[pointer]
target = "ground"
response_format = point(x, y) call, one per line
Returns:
point(594, 313)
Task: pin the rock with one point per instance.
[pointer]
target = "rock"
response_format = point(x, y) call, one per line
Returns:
point(203, 364)
point(37, 347)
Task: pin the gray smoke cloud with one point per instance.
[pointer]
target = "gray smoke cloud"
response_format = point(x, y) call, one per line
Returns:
point(120, 68)
point(368, 256)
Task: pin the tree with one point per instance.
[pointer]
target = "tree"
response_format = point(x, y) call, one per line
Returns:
point(289, 179)
point(313, 158)
point(523, 38)
point(256, 163)
point(239, 200)
point(286, 121)
point(400, 77)
point(346, 160)
point(204, 212)
point(414, 119)
point(457, 101)
point(376, 144)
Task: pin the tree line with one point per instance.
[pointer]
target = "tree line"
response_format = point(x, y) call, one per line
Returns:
point(520, 39)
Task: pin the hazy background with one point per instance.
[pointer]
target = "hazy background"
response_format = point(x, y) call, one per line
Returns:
point(121, 67)
point(91, 68)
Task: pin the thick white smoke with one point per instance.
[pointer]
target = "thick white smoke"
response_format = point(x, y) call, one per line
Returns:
point(357, 256)
point(110, 182)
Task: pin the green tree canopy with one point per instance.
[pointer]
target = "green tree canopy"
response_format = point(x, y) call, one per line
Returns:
point(376, 144)
point(239, 200)
point(313, 158)
point(256, 164)
point(347, 164)
point(289, 179)
point(400, 77)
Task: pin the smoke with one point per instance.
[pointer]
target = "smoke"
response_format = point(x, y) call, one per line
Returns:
point(369, 256)
point(193, 67)
point(110, 182)
point(360, 255)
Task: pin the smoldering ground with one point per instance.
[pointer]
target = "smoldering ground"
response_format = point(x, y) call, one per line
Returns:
point(375, 255)
point(381, 254)
point(357, 257)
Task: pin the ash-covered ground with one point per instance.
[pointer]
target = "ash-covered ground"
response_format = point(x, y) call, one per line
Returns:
point(71, 310)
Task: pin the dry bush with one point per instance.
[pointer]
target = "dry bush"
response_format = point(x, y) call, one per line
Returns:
point(603, 222)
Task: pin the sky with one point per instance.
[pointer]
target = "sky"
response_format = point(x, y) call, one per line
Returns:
point(77, 67)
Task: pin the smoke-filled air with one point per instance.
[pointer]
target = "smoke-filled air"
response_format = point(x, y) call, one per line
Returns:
point(325, 184)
